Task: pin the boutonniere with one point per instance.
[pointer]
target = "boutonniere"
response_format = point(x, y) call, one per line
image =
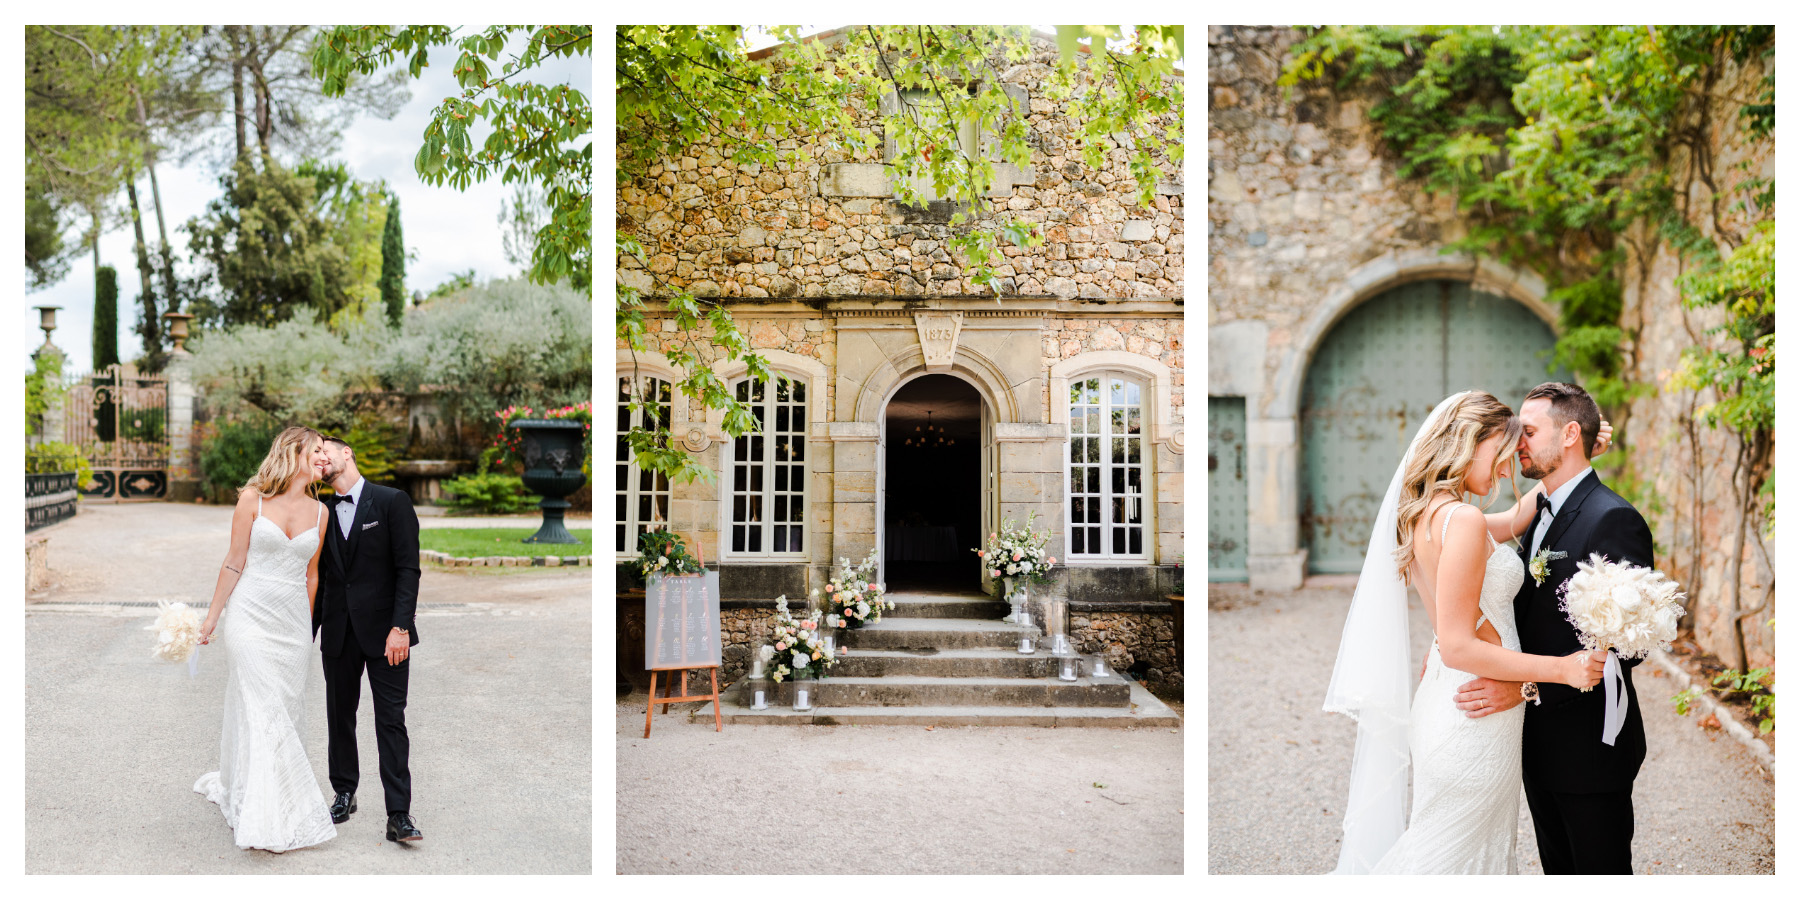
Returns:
point(1540, 564)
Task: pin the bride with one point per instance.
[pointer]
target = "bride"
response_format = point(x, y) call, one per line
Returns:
point(1466, 771)
point(265, 786)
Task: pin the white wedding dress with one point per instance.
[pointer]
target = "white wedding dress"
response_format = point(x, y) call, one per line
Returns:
point(265, 786)
point(1466, 772)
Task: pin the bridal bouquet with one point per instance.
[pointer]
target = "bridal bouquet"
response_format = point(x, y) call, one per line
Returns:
point(851, 599)
point(1630, 609)
point(798, 649)
point(1018, 553)
point(177, 630)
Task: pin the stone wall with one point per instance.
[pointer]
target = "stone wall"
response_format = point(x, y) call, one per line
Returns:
point(1300, 195)
point(1129, 638)
point(831, 228)
point(1686, 469)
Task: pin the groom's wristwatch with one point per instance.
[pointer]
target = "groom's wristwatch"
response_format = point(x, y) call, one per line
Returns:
point(1529, 691)
point(399, 629)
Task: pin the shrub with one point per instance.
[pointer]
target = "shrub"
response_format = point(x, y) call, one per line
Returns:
point(43, 385)
point(56, 456)
point(496, 345)
point(296, 371)
point(231, 452)
point(374, 442)
point(489, 492)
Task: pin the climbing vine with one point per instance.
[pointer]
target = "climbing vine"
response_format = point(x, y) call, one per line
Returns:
point(1562, 146)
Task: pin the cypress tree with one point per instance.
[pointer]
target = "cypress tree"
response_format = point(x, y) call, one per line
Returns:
point(393, 265)
point(106, 317)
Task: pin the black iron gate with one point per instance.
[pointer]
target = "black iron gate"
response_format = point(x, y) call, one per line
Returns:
point(118, 419)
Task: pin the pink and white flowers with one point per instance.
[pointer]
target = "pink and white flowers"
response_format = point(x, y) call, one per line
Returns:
point(799, 649)
point(1020, 554)
point(852, 600)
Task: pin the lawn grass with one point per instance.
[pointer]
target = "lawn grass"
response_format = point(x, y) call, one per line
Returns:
point(476, 542)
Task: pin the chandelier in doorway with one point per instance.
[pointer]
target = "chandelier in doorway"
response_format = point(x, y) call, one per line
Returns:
point(928, 437)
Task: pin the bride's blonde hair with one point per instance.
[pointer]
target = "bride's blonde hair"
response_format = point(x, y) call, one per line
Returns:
point(286, 461)
point(1441, 460)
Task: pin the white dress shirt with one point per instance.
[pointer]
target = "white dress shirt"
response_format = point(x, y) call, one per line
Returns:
point(1556, 504)
point(346, 512)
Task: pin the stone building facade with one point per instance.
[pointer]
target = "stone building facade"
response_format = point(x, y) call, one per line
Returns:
point(1072, 372)
point(1335, 321)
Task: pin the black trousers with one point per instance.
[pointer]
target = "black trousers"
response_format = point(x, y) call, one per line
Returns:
point(1581, 834)
point(343, 691)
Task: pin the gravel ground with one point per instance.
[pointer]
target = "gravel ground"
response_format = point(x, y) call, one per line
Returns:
point(499, 713)
point(897, 799)
point(1278, 767)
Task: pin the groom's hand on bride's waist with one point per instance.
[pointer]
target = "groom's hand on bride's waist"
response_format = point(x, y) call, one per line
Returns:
point(1485, 696)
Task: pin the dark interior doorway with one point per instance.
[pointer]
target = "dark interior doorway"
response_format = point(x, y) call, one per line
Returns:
point(932, 504)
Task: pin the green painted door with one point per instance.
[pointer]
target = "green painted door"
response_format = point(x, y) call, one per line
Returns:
point(1227, 491)
point(1377, 375)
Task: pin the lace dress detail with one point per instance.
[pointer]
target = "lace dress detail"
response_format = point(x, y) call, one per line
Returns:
point(1465, 772)
point(265, 785)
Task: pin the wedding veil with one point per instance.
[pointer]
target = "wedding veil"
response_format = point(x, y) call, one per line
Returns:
point(1372, 683)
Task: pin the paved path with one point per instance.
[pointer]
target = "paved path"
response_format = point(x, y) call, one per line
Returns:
point(779, 799)
point(1278, 767)
point(500, 717)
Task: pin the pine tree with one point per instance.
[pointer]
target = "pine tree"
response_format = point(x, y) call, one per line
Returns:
point(106, 317)
point(393, 265)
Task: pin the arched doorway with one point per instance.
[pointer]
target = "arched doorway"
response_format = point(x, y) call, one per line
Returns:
point(1374, 378)
point(934, 437)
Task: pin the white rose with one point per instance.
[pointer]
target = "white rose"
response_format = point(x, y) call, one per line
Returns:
point(1627, 598)
point(767, 653)
point(862, 609)
point(800, 660)
point(1606, 619)
point(1024, 567)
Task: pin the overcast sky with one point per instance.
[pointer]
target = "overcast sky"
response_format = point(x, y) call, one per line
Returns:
point(447, 230)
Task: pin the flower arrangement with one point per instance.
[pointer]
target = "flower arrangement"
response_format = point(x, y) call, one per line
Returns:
point(851, 599)
point(509, 444)
point(1018, 553)
point(177, 630)
point(661, 552)
point(799, 650)
point(1630, 609)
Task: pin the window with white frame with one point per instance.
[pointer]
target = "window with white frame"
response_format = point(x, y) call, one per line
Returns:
point(768, 472)
point(1106, 467)
point(640, 498)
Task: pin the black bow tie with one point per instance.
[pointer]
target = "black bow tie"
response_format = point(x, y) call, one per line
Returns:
point(1544, 505)
point(346, 498)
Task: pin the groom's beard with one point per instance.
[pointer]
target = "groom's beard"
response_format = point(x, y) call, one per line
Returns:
point(1536, 472)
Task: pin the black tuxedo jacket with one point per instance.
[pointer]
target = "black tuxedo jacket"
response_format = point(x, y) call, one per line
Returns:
point(369, 581)
point(1563, 750)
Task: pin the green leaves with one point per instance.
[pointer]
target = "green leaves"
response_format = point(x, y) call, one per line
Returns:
point(534, 132)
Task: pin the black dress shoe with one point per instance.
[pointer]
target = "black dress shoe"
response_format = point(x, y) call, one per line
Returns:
point(401, 828)
point(342, 806)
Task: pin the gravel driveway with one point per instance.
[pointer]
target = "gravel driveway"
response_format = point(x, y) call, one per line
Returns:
point(783, 799)
point(1278, 767)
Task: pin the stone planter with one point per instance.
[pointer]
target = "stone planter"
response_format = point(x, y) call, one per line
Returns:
point(553, 469)
point(423, 479)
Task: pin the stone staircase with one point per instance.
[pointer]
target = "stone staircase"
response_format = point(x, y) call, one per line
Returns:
point(947, 659)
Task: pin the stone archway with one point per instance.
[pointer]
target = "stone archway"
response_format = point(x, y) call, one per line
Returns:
point(1277, 557)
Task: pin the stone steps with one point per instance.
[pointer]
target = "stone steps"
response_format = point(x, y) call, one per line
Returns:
point(945, 606)
point(922, 690)
point(1142, 710)
point(945, 659)
point(960, 663)
point(899, 633)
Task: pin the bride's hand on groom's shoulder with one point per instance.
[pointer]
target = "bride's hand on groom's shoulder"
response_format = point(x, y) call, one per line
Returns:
point(1603, 441)
point(1485, 696)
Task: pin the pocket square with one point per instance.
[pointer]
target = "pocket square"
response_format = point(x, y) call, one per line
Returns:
point(369, 525)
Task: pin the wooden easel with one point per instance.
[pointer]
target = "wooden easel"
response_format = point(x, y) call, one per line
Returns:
point(712, 670)
point(718, 721)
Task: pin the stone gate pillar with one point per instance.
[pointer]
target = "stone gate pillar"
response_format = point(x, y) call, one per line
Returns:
point(184, 461)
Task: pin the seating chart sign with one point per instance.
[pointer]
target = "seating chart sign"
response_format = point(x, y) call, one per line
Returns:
point(681, 621)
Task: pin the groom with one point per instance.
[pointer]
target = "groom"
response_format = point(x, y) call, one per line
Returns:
point(1579, 789)
point(368, 590)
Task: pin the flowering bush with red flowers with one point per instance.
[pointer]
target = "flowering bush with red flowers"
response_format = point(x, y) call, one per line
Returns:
point(509, 444)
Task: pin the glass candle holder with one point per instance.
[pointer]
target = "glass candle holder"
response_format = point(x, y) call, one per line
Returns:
point(805, 687)
point(1068, 668)
point(1098, 667)
point(759, 694)
point(1026, 645)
